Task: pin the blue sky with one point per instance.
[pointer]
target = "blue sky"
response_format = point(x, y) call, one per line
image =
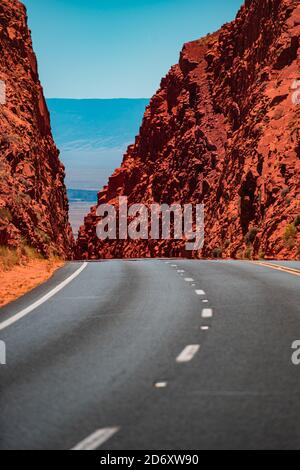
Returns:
point(116, 48)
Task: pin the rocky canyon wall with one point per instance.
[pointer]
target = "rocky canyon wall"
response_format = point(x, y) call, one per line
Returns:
point(33, 201)
point(223, 130)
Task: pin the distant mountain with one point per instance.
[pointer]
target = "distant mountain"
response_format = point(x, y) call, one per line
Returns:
point(93, 135)
point(82, 195)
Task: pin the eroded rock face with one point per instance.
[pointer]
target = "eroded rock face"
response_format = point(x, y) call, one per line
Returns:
point(223, 130)
point(33, 202)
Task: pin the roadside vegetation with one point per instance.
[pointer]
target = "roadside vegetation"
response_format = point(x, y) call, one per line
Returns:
point(291, 232)
point(10, 258)
point(23, 269)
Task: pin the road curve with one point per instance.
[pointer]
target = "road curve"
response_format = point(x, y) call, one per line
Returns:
point(154, 354)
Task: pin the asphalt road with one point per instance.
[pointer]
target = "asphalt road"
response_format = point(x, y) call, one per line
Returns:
point(151, 358)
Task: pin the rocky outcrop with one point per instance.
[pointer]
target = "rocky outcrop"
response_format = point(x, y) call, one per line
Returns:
point(33, 202)
point(223, 130)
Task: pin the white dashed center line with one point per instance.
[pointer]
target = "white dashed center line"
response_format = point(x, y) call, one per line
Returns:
point(204, 328)
point(200, 292)
point(95, 440)
point(207, 313)
point(189, 279)
point(188, 353)
point(161, 384)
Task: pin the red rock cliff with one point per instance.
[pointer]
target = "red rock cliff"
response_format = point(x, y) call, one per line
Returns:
point(223, 129)
point(33, 202)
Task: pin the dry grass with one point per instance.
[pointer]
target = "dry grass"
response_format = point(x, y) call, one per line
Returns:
point(290, 235)
point(8, 259)
point(22, 271)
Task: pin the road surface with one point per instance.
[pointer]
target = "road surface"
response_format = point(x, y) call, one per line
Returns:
point(153, 354)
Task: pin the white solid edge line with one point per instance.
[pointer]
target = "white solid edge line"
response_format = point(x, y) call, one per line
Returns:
point(200, 292)
point(44, 299)
point(207, 313)
point(188, 353)
point(95, 440)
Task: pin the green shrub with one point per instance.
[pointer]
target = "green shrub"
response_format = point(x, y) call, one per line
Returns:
point(217, 252)
point(227, 243)
point(5, 214)
point(248, 253)
point(297, 221)
point(290, 232)
point(251, 235)
point(289, 235)
point(43, 235)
